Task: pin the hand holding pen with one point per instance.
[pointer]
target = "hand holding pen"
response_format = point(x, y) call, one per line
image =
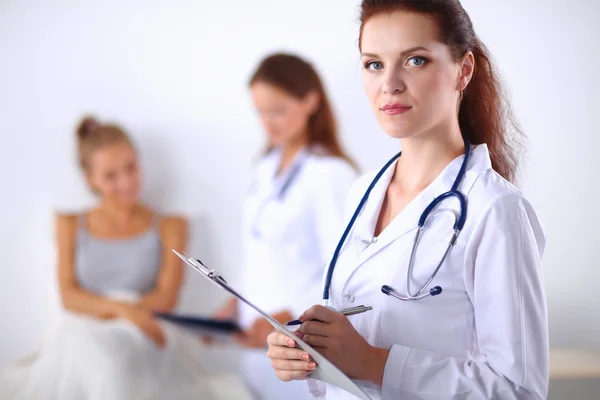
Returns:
point(346, 311)
point(332, 334)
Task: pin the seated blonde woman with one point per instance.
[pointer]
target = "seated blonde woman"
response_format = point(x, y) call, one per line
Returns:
point(115, 267)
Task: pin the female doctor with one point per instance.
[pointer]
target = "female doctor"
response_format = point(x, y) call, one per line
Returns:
point(293, 212)
point(478, 330)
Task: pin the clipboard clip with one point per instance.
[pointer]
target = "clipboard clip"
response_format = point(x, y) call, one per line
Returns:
point(210, 273)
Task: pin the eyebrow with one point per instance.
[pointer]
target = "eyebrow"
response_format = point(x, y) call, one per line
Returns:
point(403, 53)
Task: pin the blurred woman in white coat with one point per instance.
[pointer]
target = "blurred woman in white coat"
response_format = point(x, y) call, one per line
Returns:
point(293, 211)
point(444, 247)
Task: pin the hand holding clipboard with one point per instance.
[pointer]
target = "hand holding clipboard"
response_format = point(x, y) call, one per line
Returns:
point(325, 371)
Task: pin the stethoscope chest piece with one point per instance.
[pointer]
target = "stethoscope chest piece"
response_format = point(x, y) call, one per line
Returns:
point(459, 222)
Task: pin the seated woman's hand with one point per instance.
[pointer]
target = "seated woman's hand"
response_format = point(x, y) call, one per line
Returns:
point(145, 321)
point(289, 362)
point(227, 311)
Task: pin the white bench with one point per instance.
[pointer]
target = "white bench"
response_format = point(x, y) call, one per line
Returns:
point(574, 364)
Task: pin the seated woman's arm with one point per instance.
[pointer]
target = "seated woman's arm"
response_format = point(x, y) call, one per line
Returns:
point(78, 300)
point(75, 298)
point(163, 298)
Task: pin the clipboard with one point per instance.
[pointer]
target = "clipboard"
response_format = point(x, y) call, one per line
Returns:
point(219, 329)
point(325, 372)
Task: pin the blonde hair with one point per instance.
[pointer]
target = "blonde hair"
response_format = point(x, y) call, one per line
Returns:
point(91, 136)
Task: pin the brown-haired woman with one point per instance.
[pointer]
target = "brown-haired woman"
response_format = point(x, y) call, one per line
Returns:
point(115, 268)
point(479, 329)
point(293, 210)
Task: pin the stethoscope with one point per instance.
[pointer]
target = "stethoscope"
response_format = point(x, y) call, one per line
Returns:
point(458, 225)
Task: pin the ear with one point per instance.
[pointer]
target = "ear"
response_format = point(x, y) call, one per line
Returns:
point(467, 67)
point(312, 101)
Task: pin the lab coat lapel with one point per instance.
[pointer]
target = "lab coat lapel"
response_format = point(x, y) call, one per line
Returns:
point(366, 246)
point(404, 223)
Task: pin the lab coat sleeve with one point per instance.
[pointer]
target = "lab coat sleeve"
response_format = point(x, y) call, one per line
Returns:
point(503, 280)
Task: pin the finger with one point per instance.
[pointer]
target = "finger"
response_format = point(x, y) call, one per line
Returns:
point(293, 365)
point(317, 341)
point(156, 333)
point(280, 339)
point(239, 337)
point(316, 328)
point(321, 313)
point(287, 376)
point(285, 353)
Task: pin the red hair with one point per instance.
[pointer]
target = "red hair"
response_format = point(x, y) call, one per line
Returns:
point(485, 114)
point(298, 78)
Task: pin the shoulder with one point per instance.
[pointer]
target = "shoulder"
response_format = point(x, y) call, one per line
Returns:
point(492, 190)
point(66, 224)
point(66, 219)
point(326, 168)
point(173, 223)
point(492, 200)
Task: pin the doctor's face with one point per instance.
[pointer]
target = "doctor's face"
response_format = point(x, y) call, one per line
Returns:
point(283, 116)
point(410, 77)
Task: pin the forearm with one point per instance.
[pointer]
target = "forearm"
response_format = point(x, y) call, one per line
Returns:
point(375, 366)
point(158, 301)
point(82, 302)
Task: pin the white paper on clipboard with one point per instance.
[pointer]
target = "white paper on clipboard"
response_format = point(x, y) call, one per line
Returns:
point(326, 371)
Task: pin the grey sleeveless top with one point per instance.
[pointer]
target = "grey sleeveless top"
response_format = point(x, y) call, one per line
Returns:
point(104, 265)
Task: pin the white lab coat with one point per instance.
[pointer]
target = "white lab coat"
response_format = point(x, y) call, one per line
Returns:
point(486, 335)
point(286, 243)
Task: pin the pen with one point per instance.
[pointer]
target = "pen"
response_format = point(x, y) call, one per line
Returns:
point(345, 311)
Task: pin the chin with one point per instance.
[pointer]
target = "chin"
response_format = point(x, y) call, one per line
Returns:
point(279, 142)
point(398, 130)
point(129, 201)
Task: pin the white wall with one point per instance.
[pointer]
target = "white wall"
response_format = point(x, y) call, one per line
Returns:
point(174, 74)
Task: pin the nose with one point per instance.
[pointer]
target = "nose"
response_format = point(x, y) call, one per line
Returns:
point(393, 83)
point(126, 181)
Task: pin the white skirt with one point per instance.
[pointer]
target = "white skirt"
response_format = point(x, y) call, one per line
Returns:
point(89, 359)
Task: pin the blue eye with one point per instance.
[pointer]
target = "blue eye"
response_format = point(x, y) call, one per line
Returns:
point(374, 66)
point(417, 61)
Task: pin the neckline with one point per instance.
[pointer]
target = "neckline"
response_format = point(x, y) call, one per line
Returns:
point(429, 192)
point(121, 239)
point(83, 228)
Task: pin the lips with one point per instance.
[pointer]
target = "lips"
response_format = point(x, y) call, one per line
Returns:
point(395, 109)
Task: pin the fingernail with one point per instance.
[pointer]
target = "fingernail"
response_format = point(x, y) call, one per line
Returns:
point(290, 343)
point(312, 365)
point(306, 357)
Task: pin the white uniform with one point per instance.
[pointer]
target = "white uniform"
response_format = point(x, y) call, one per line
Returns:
point(486, 335)
point(291, 223)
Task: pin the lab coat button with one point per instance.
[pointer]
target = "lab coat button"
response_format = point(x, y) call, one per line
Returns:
point(365, 241)
point(351, 298)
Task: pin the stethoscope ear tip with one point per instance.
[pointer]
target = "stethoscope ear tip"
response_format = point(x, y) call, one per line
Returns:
point(386, 289)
